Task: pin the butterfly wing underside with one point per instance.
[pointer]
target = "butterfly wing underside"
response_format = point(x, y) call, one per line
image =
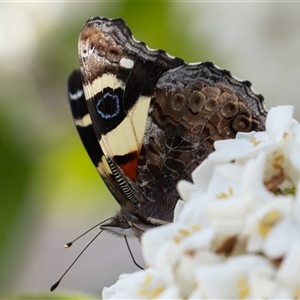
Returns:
point(119, 77)
point(193, 106)
point(87, 135)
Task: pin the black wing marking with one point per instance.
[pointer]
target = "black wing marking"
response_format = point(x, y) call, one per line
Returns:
point(82, 118)
point(87, 135)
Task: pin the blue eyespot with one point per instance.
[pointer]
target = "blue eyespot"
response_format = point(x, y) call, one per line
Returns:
point(108, 106)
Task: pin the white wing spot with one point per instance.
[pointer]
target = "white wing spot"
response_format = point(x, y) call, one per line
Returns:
point(77, 95)
point(126, 63)
point(84, 122)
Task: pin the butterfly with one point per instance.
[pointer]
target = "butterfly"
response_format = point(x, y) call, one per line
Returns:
point(148, 119)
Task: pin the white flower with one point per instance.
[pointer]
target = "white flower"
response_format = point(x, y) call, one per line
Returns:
point(238, 233)
point(288, 272)
point(148, 284)
point(280, 143)
point(232, 279)
point(261, 225)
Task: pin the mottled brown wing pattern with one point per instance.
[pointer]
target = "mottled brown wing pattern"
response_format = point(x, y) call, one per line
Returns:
point(192, 107)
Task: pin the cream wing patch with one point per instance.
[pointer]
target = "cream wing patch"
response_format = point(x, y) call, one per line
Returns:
point(83, 122)
point(128, 135)
point(107, 80)
point(103, 167)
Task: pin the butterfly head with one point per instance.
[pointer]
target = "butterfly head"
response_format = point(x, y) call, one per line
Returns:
point(125, 223)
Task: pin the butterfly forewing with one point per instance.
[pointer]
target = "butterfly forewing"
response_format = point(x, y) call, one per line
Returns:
point(120, 90)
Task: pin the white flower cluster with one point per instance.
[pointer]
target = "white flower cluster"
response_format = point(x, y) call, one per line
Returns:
point(237, 235)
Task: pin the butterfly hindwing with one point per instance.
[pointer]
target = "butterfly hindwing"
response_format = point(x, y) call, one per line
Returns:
point(192, 107)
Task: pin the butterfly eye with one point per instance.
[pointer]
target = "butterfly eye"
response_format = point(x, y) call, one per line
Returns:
point(124, 222)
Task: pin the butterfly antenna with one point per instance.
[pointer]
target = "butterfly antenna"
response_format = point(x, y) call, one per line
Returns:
point(68, 245)
point(132, 257)
point(55, 285)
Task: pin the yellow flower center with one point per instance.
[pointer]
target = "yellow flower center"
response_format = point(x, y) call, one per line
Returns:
point(268, 221)
point(278, 161)
point(225, 195)
point(184, 232)
point(255, 141)
point(147, 279)
point(242, 287)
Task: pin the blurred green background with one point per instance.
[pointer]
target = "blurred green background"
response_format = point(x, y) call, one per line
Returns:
point(50, 192)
